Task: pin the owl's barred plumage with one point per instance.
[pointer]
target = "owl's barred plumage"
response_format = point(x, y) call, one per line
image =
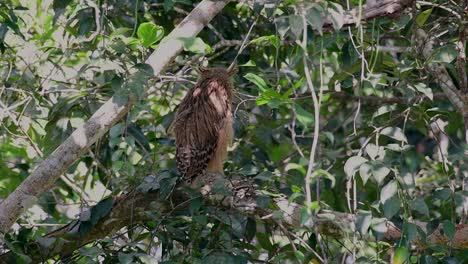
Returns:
point(203, 124)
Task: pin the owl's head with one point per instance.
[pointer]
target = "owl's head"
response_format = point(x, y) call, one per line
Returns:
point(216, 73)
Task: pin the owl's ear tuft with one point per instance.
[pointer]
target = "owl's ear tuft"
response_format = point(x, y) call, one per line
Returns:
point(232, 70)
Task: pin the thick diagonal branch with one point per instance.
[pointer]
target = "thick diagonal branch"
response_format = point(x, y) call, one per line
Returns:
point(45, 174)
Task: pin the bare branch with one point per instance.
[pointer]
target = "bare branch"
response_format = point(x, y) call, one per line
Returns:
point(371, 10)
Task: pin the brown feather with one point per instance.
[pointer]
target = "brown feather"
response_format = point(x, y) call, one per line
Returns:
point(203, 125)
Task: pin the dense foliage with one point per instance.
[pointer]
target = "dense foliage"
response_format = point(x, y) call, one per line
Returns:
point(388, 145)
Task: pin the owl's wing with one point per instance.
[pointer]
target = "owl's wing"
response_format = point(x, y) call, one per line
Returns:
point(192, 160)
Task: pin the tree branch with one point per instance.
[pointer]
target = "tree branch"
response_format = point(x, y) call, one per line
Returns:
point(130, 209)
point(458, 98)
point(370, 10)
point(372, 99)
point(46, 173)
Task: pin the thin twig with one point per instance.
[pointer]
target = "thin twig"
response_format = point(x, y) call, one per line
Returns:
point(243, 45)
point(18, 124)
point(316, 115)
point(97, 15)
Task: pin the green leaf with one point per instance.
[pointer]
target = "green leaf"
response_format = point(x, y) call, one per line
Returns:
point(306, 218)
point(325, 174)
point(168, 5)
point(449, 229)
point(337, 15)
point(410, 230)
point(299, 256)
point(125, 258)
point(363, 222)
point(270, 97)
point(445, 54)
point(329, 135)
point(303, 116)
point(442, 194)
point(401, 255)
point(136, 83)
point(167, 184)
point(137, 133)
point(420, 206)
point(365, 171)
point(264, 176)
point(395, 133)
point(426, 259)
point(194, 205)
point(299, 83)
point(379, 171)
point(258, 7)
point(149, 33)
point(279, 152)
point(22, 258)
point(383, 110)
point(249, 169)
point(345, 73)
point(64, 105)
point(282, 24)
point(422, 17)
point(295, 166)
point(92, 217)
point(222, 257)
point(257, 80)
point(388, 191)
point(101, 209)
point(314, 17)
point(11, 21)
point(195, 45)
point(375, 151)
point(250, 63)
point(46, 242)
point(237, 225)
point(272, 39)
point(121, 31)
point(379, 227)
point(146, 259)
point(118, 46)
point(391, 207)
point(93, 252)
point(427, 91)
point(296, 25)
point(250, 229)
point(264, 241)
point(57, 132)
point(376, 169)
point(263, 201)
point(353, 164)
point(116, 130)
point(60, 4)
